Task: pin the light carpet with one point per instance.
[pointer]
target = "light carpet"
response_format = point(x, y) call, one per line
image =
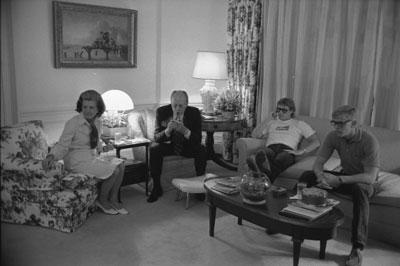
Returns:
point(164, 233)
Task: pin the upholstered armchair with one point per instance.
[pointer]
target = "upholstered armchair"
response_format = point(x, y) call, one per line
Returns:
point(29, 195)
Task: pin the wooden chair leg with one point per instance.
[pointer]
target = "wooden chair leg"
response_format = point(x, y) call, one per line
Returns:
point(187, 200)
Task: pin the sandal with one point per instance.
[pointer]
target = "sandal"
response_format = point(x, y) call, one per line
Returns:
point(110, 211)
point(120, 210)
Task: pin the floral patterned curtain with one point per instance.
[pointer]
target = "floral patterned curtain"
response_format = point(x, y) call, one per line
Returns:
point(244, 36)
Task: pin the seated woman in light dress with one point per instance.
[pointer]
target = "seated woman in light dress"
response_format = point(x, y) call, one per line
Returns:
point(79, 147)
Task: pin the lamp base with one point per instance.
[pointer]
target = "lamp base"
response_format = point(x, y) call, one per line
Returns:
point(208, 95)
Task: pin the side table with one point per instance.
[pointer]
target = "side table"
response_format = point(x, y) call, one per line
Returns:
point(219, 124)
point(136, 171)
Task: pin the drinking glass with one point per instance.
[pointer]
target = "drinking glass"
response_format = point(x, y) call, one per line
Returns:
point(300, 187)
point(117, 137)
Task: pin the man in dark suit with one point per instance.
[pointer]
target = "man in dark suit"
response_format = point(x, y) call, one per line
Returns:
point(177, 132)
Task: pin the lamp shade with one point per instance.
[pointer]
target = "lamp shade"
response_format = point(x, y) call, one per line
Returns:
point(117, 100)
point(210, 65)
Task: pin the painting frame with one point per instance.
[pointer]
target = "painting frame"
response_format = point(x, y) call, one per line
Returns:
point(91, 36)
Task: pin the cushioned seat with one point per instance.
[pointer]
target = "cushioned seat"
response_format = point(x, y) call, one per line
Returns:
point(190, 185)
point(30, 195)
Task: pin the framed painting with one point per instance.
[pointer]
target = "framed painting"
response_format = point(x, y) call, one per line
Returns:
point(88, 36)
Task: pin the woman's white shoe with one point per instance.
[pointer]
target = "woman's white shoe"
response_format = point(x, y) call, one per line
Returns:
point(120, 210)
point(110, 211)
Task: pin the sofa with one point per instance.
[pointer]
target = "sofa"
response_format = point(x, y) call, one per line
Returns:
point(29, 195)
point(384, 220)
point(141, 124)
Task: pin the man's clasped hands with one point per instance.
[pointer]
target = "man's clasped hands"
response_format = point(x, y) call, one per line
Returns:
point(176, 125)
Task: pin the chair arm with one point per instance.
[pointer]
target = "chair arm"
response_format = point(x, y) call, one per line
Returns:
point(28, 174)
point(246, 147)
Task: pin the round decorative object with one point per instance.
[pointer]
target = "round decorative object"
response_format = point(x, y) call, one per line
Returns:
point(254, 187)
point(228, 115)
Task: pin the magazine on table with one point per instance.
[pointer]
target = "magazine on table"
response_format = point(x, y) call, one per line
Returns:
point(308, 211)
point(225, 189)
point(231, 182)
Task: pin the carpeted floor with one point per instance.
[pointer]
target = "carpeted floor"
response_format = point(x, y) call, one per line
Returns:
point(164, 233)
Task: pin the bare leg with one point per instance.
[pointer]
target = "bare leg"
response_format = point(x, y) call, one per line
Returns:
point(105, 191)
point(118, 177)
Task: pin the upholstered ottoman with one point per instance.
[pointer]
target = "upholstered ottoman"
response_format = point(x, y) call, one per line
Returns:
point(190, 185)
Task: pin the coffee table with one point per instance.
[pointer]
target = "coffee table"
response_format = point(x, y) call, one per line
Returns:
point(267, 216)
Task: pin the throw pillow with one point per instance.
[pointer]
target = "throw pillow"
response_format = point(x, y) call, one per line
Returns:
point(388, 185)
point(23, 141)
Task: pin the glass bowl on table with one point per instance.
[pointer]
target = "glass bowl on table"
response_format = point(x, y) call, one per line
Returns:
point(254, 187)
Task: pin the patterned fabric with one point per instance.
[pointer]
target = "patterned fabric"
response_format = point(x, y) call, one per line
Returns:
point(22, 142)
point(30, 195)
point(244, 37)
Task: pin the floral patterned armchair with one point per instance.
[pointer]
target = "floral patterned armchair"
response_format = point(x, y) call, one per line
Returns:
point(30, 195)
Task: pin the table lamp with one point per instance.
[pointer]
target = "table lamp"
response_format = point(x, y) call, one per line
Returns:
point(114, 119)
point(209, 66)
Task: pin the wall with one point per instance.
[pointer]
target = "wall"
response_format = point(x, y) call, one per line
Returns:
point(169, 34)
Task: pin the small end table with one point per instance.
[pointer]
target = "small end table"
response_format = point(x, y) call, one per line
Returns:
point(213, 124)
point(136, 171)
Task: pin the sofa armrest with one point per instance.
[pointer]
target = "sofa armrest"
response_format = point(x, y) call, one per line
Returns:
point(28, 174)
point(33, 167)
point(246, 147)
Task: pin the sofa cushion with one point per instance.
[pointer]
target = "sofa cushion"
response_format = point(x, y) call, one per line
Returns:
point(388, 185)
point(306, 164)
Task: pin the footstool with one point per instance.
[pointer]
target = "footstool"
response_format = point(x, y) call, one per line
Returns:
point(190, 185)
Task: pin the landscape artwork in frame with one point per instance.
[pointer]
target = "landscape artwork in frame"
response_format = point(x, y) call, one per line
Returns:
point(94, 36)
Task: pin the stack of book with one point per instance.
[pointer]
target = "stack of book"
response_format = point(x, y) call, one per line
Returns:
point(307, 211)
point(229, 185)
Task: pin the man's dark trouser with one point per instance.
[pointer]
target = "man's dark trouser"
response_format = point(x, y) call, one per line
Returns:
point(159, 150)
point(279, 159)
point(360, 193)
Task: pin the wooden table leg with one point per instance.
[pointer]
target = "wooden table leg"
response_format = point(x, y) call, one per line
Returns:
point(212, 210)
point(322, 247)
point(296, 250)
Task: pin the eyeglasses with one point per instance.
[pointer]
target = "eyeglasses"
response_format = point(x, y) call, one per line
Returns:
point(339, 123)
point(283, 110)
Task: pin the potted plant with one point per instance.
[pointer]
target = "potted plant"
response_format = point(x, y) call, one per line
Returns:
point(114, 122)
point(229, 103)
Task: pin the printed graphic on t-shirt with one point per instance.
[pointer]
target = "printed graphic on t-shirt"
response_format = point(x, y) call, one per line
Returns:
point(282, 128)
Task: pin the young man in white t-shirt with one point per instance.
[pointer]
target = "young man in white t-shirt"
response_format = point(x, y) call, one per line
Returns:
point(283, 135)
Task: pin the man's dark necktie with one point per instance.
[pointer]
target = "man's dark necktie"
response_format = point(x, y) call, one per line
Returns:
point(177, 142)
point(94, 135)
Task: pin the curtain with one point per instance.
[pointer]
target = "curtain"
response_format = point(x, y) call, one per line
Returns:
point(243, 57)
point(8, 93)
point(326, 53)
